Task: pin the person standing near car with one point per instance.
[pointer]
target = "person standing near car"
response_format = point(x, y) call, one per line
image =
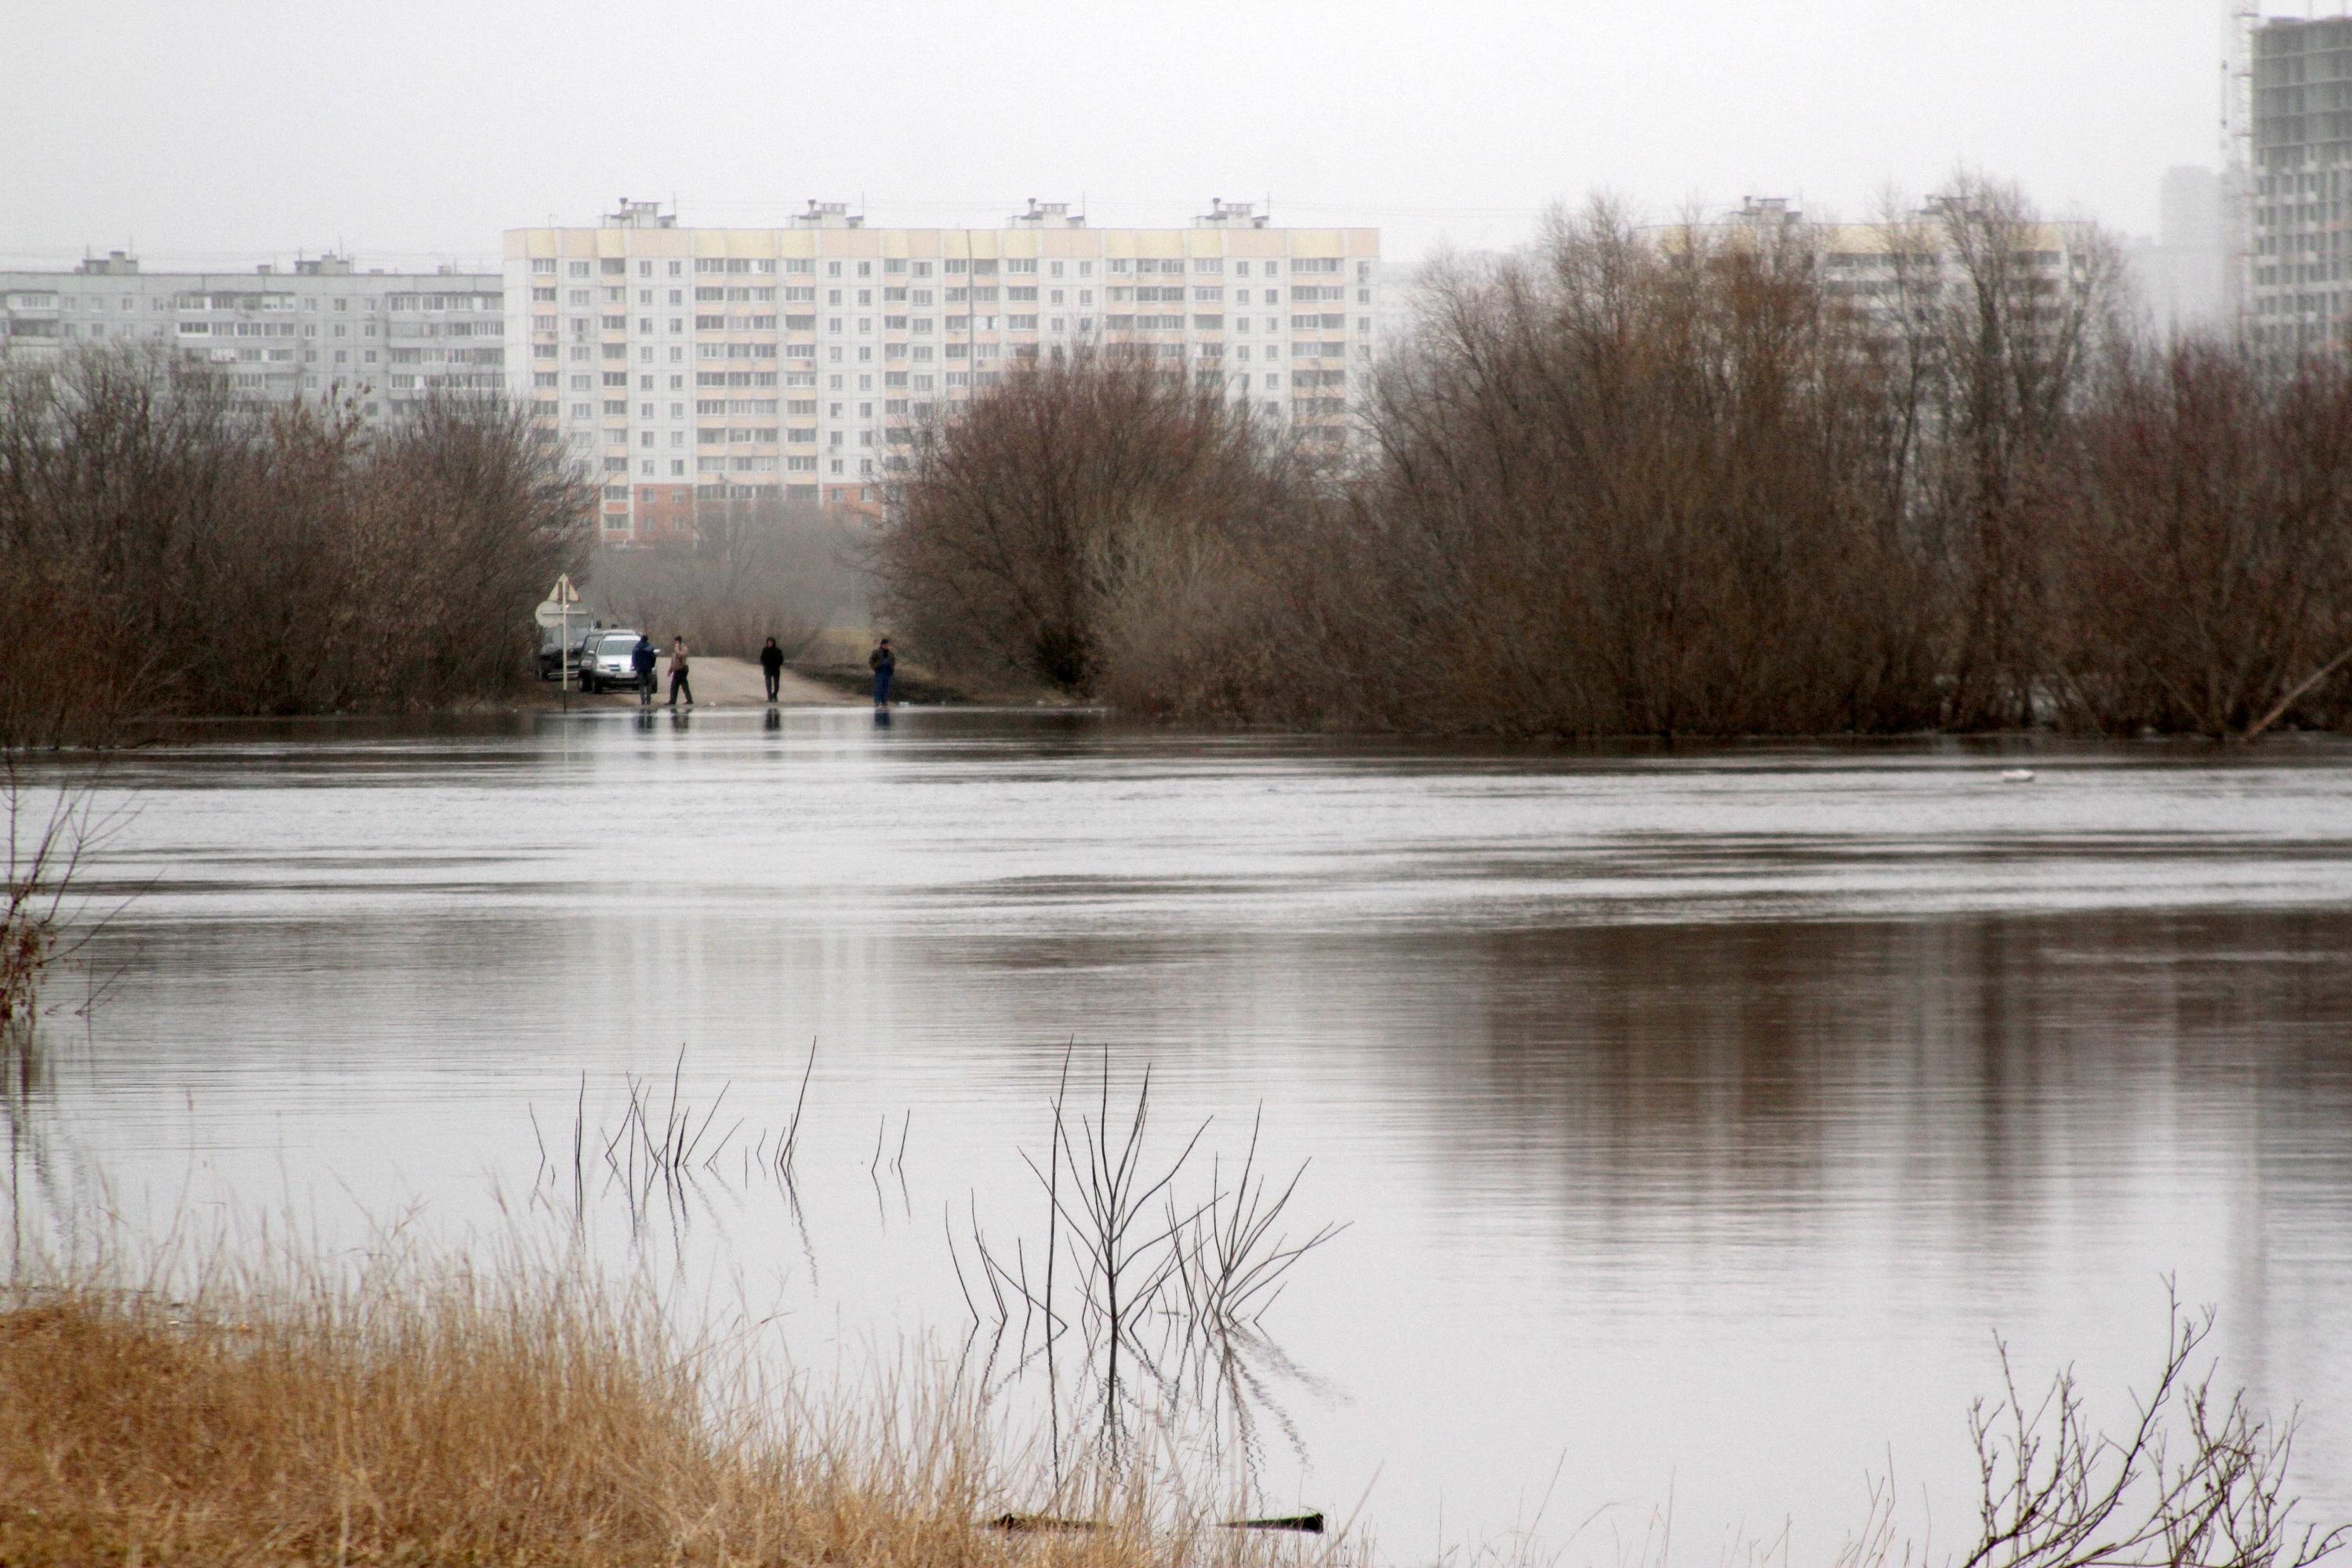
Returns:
point(678, 673)
point(884, 664)
point(642, 658)
point(771, 664)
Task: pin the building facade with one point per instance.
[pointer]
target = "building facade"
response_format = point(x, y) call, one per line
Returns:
point(683, 364)
point(2182, 278)
point(2299, 174)
point(1888, 269)
point(324, 330)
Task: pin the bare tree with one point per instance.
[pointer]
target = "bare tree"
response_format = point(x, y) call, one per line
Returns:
point(2003, 316)
point(1030, 519)
point(172, 551)
point(2198, 519)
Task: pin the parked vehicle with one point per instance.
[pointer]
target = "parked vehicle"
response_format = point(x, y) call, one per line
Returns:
point(604, 663)
point(550, 654)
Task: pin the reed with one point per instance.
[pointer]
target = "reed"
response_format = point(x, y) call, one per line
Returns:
point(429, 1409)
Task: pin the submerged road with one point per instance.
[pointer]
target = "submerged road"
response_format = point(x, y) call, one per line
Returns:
point(734, 683)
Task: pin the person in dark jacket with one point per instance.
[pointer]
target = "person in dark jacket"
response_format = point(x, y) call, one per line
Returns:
point(884, 664)
point(771, 664)
point(642, 658)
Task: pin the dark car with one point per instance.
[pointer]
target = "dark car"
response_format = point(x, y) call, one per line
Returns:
point(551, 656)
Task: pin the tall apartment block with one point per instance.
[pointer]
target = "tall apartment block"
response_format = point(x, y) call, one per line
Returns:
point(1873, 266)
point(326, 329)
point(795, 364)
point(2298, 295)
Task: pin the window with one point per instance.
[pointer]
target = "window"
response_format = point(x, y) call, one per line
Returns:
point(543, 265)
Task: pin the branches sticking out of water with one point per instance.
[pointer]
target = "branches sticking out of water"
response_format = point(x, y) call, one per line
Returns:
point(1169, 1270)
point(2195, 1479)
point(666, 1147)
point(1231, 1262)
point(789, 1144)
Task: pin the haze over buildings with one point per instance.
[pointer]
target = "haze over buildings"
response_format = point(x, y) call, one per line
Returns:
point(326, 330)
point(413, 135)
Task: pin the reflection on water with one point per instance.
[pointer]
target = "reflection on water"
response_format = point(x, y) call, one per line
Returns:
point(1697, 1119)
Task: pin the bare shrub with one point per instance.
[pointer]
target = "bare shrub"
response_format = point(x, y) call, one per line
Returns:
point(752, 570)
point(2200, 523)
point(1032, 521)
point(1628, 485)
point(176, 553)
point(2195, 1478)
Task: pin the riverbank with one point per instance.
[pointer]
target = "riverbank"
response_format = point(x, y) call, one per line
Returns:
point(449, 1411)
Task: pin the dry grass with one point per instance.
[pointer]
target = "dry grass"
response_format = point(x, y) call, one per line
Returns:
point(433, 1412)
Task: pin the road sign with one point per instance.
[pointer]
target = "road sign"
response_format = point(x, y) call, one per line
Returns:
point(552, 615)
point(563, 593)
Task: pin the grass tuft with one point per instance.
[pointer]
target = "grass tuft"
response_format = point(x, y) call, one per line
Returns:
point(428, 1412)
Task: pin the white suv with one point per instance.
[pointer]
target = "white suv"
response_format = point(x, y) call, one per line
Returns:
point(604, 663)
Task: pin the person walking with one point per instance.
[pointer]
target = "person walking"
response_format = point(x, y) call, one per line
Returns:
point(884, 664)
point(771, 664)
point(678, 673)
point(642, 658)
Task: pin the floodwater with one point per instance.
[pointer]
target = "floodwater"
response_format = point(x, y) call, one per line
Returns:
point(1697, 1117)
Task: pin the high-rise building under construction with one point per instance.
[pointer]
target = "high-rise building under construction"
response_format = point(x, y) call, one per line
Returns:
point(2299, 269)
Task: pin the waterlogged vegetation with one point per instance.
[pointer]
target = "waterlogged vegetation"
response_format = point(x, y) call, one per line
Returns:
point(224, 1401)
point(167, 551)
point(432, 1409)
point(1677, 482)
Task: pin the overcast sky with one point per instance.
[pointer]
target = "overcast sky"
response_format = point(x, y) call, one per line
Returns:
point(225, 132)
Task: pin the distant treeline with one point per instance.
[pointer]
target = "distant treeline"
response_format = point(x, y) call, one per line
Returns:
point(1676, 483)
point(165, 549)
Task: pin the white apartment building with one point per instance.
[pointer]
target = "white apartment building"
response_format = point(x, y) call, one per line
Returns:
point(795, 364)
point(324, 330)
point(1882, 268)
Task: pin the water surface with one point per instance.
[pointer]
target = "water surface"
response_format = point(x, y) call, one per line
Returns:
point(1698, 1117)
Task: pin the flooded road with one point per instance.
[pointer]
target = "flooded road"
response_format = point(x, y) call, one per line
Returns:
point(1697, 1117)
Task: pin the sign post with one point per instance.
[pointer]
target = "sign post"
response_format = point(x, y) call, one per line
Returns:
point(562, 603)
